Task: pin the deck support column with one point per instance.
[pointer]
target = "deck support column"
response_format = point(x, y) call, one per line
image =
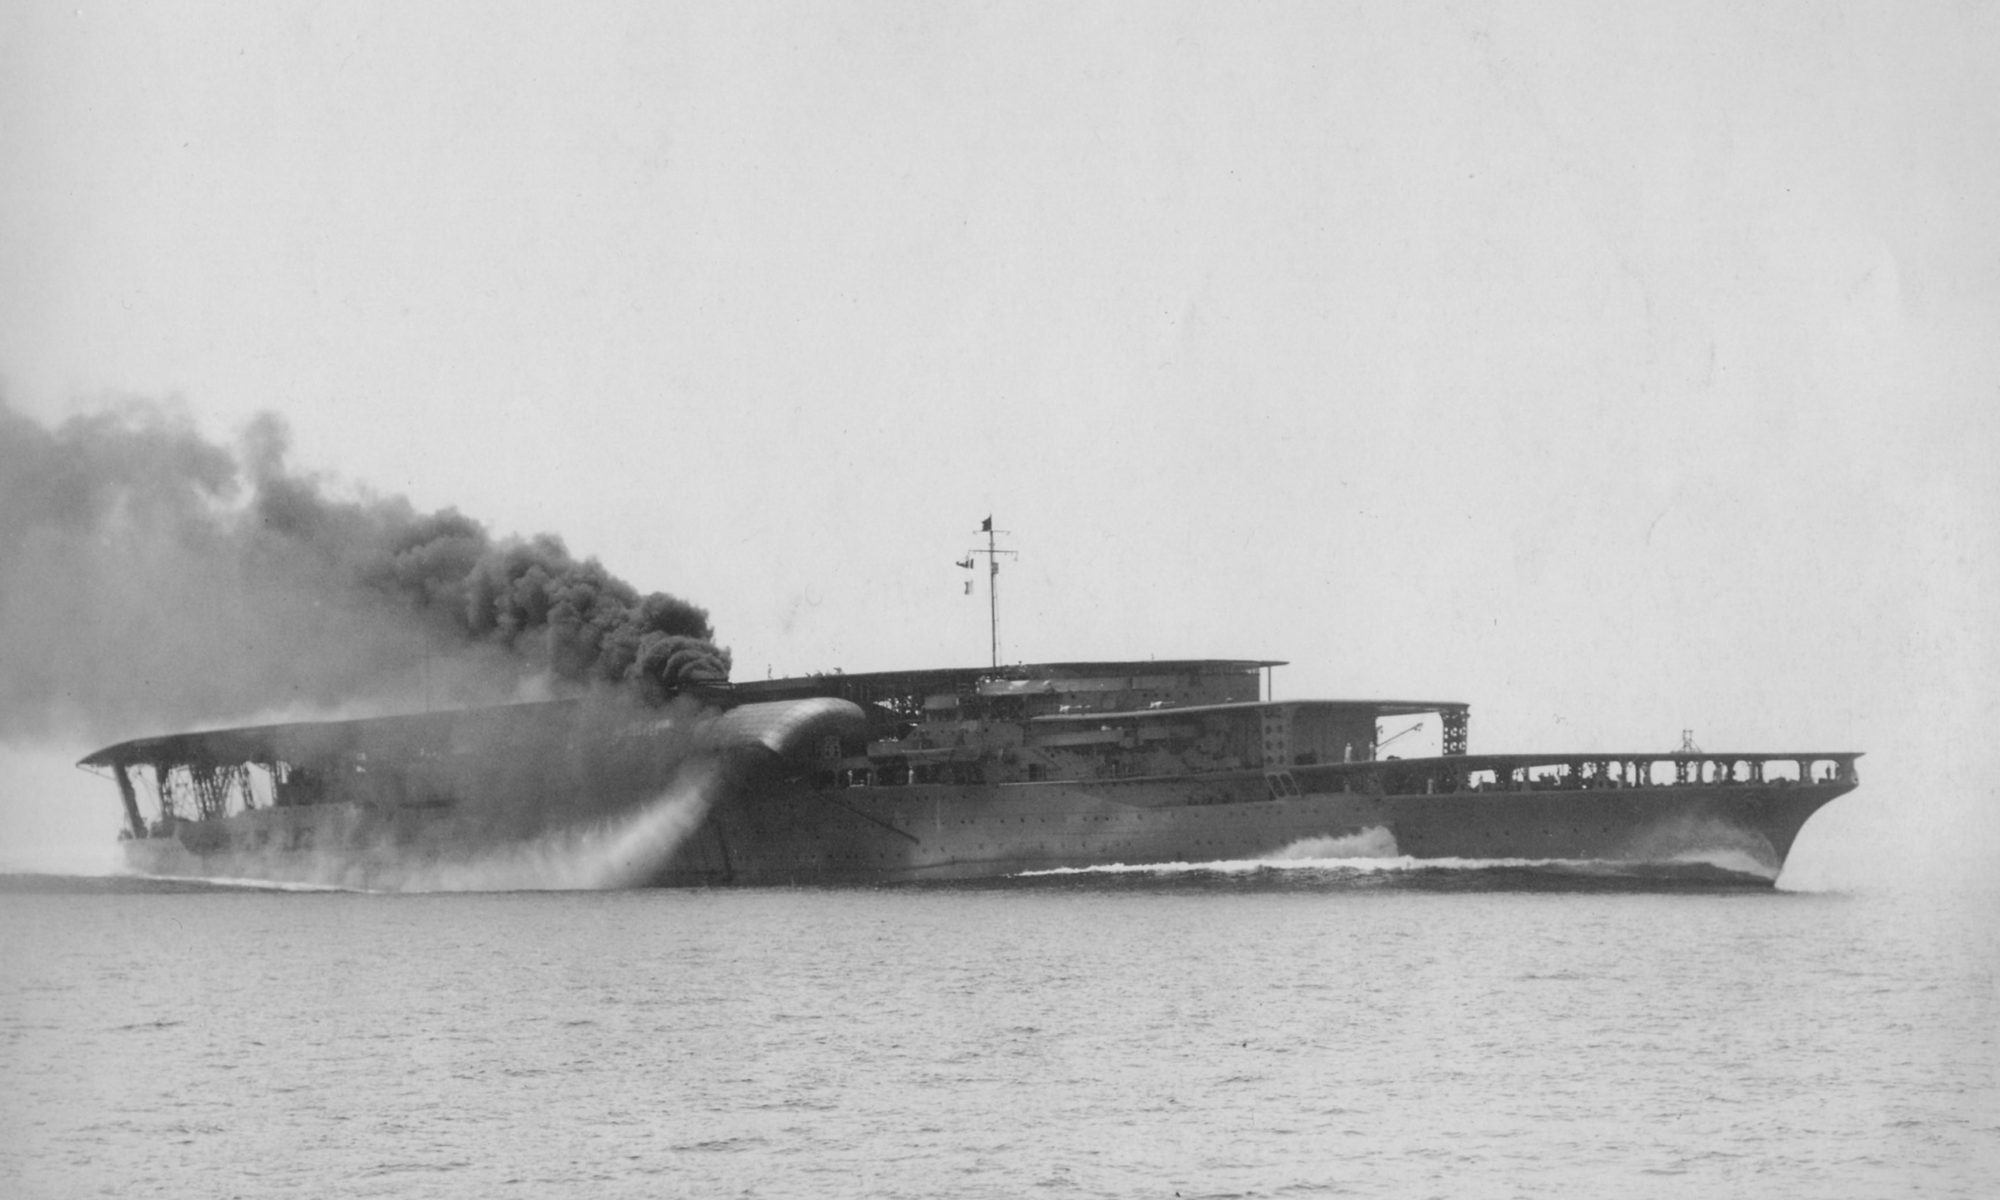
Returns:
point(131, 799)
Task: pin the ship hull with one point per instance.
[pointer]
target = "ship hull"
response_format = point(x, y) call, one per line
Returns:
point(806, 836)
point(790, 834)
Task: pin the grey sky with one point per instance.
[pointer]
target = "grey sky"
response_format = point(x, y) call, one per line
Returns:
point(1614, 368)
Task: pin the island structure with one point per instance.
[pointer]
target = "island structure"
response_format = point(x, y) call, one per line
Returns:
point(944, 774)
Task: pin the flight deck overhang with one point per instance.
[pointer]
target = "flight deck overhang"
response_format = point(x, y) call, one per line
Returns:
point(1378, 708)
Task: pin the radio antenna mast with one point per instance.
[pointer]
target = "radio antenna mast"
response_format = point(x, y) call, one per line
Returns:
point(992, 553)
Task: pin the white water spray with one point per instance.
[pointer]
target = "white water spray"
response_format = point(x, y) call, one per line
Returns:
point(1707, 841)
point(1374, 851)
point(1371, 843)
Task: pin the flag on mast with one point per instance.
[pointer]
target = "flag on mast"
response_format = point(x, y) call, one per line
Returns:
point(986, 526)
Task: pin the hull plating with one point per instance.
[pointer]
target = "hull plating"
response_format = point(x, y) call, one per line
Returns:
point(787, 835)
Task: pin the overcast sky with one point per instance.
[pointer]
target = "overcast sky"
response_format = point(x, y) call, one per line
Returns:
point(1617, 369)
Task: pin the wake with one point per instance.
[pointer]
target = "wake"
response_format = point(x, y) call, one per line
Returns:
point(1374, 851)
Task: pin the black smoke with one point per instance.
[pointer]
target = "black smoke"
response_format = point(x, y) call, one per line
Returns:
point(151, 579)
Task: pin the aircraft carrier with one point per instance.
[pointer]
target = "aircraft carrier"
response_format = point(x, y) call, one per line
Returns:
point(940, 774)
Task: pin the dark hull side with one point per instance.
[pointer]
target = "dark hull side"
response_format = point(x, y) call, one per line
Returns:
point(917, 833)
point(792, 834)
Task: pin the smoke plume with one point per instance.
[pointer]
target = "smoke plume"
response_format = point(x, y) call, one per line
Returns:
point(151, 579)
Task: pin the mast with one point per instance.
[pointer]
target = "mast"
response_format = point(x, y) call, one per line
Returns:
point(992, 553)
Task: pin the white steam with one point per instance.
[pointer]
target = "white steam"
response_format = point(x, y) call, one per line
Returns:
point(621, 852)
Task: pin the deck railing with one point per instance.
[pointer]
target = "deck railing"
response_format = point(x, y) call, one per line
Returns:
point(1541, 772)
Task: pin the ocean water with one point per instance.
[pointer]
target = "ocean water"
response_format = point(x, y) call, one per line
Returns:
point(1196, 1032)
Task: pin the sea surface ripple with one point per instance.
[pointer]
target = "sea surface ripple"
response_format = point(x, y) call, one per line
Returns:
point(1216, 1034)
